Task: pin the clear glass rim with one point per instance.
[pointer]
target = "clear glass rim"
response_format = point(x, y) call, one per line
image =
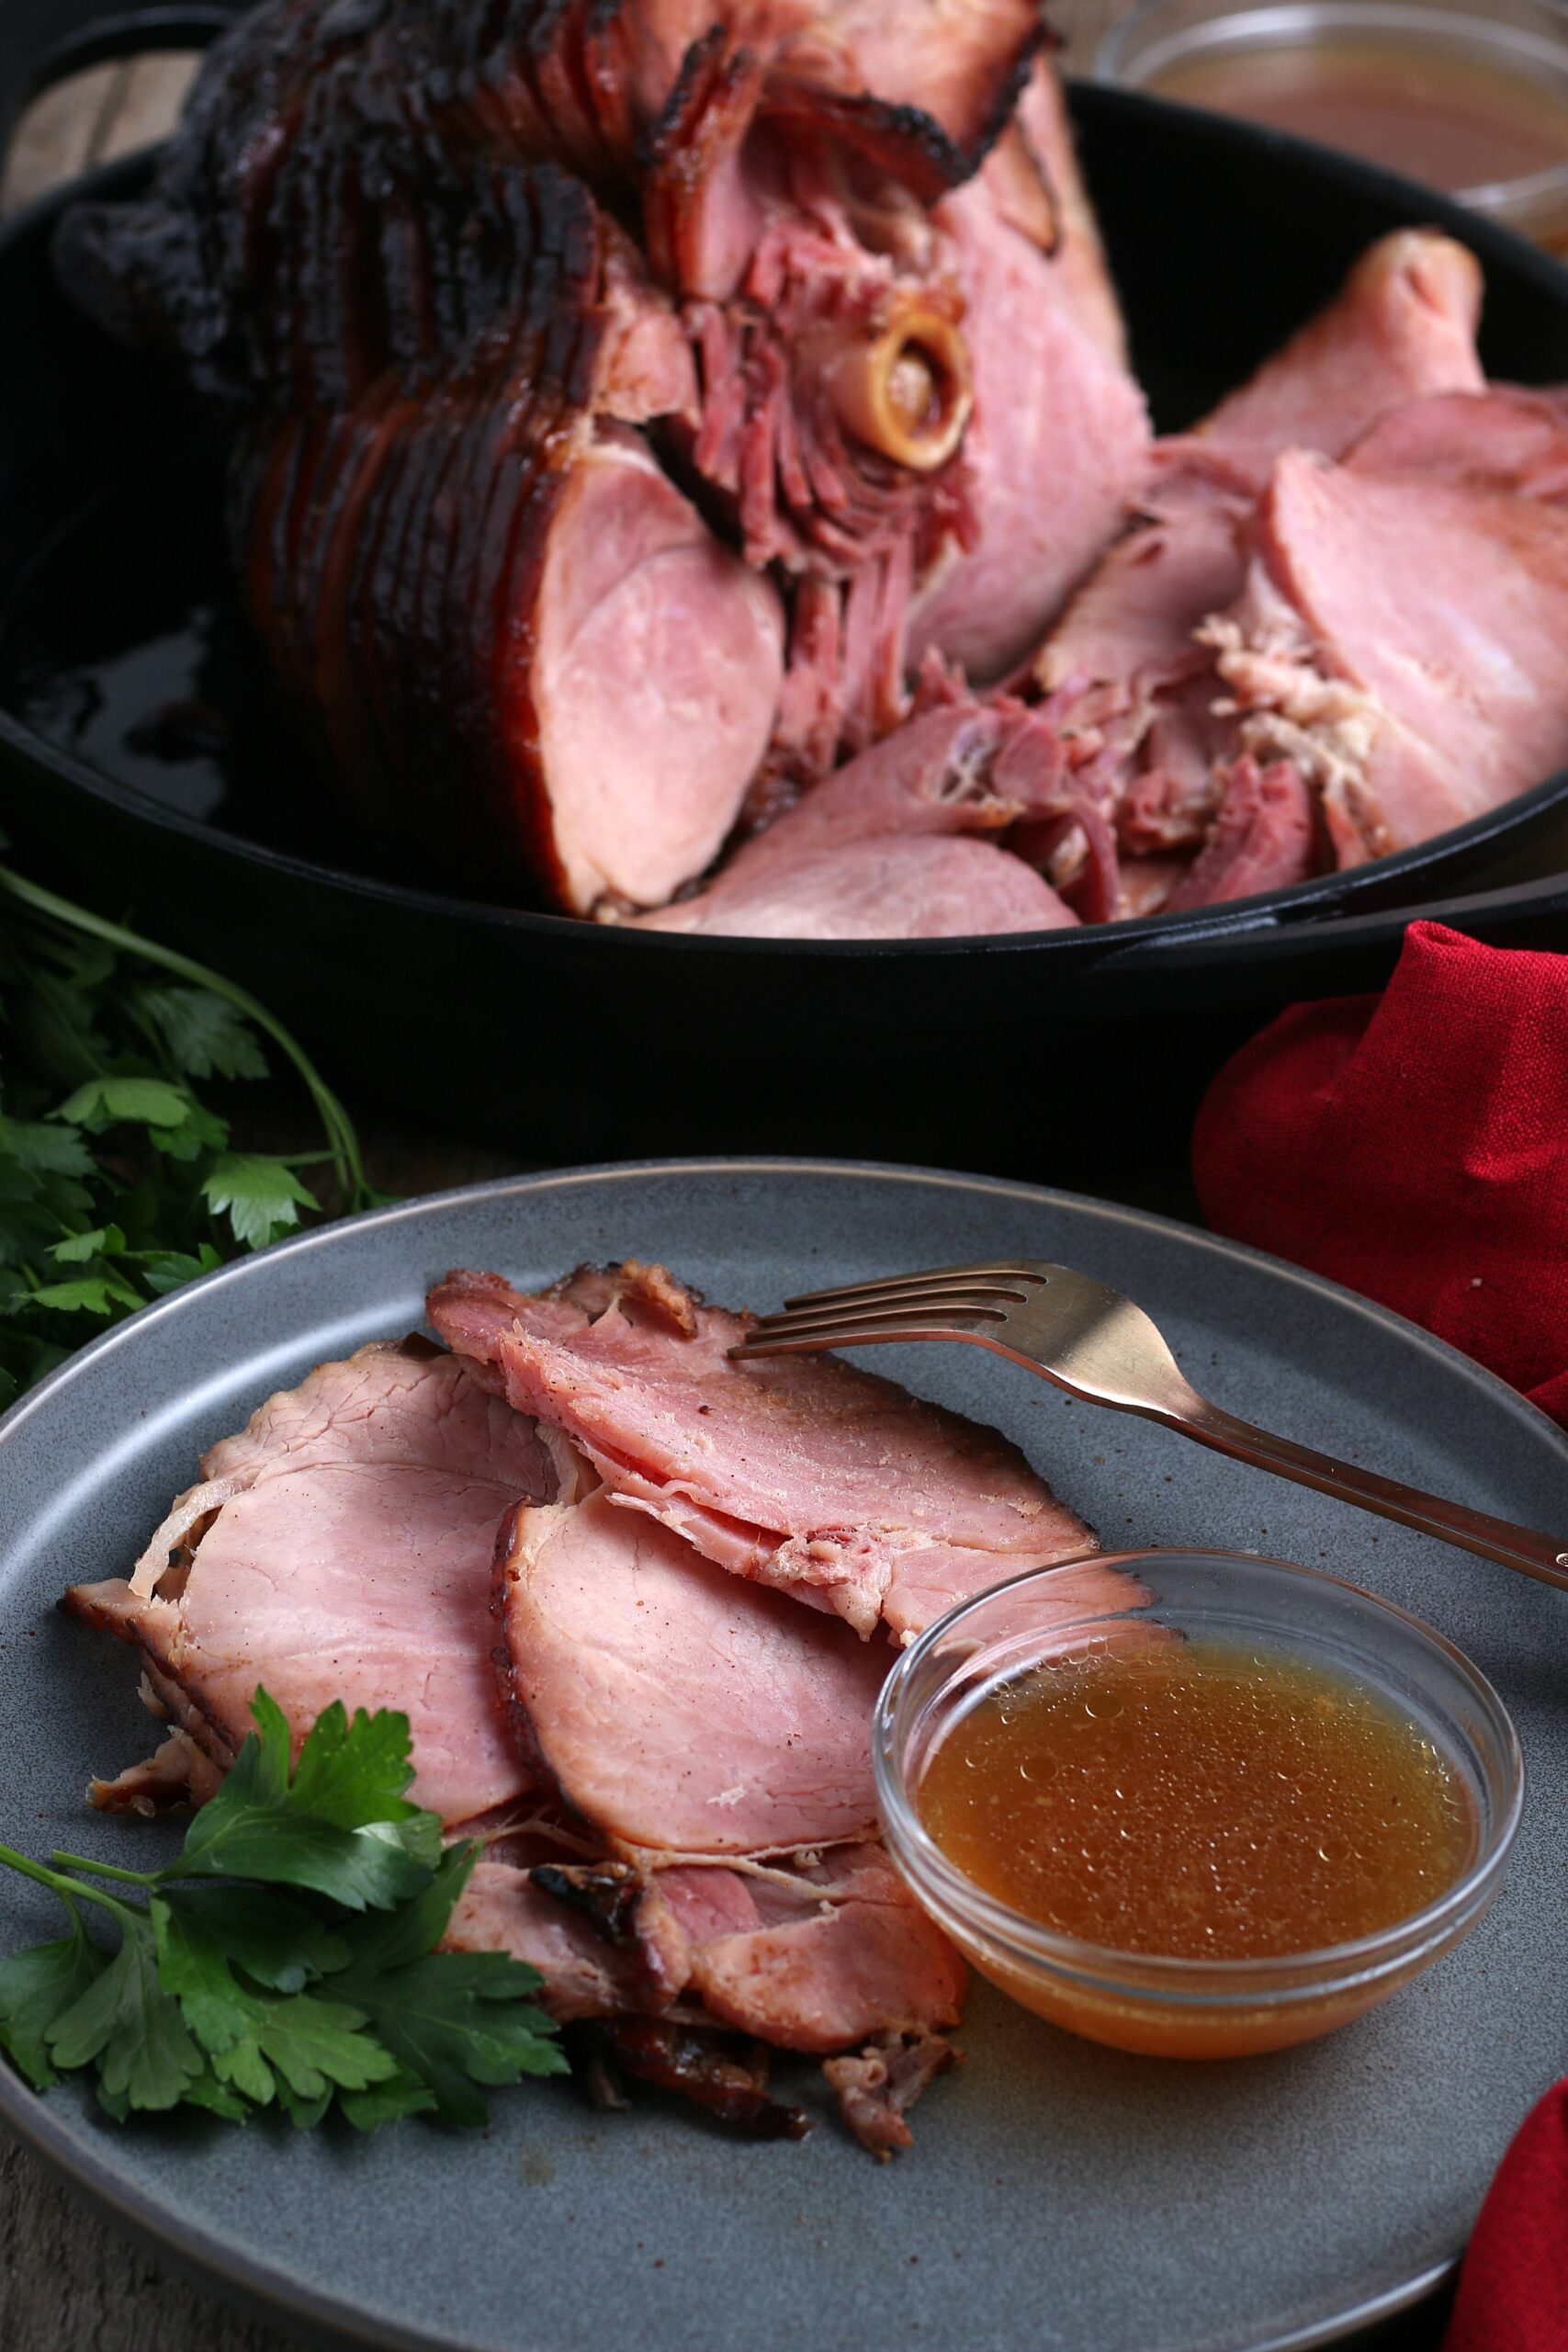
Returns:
point(1125, 56)
point(1157, 1977)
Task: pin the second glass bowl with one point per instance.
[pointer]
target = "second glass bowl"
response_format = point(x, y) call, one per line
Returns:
point(1193, 2008)
point(1389, 74)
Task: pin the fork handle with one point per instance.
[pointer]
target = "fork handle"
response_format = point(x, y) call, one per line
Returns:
point(1545, 1557)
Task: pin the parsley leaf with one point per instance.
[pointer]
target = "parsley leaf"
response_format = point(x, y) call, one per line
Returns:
point(277, 1940)
point(236, 1997)
point(35, 1987)
point(252, 2036)
point(105, 1102)
point(456, 2019)
point(263, 1196)
point(118, 1182)
point(202, 1037)
point(77, 1248)
point(130, 2025)
point(341, 1826)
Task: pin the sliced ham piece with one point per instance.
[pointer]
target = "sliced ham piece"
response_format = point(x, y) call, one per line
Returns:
point(819, 1958)
point(1058, 442)
point(678, 1709)
point(644, 784)
point(1133, 682)
point(586, 1974)
point(878, 2087)
point(1505, 438)
point(339, 1548)
point(803, 1472)
point(1264, 837)
point(1401, 641)
point(715, 1739)
point(862, 857)
point(875, 890)
point(1402, 328)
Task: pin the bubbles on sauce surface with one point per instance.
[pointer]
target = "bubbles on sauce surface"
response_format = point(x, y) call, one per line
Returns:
point(1200, 1799)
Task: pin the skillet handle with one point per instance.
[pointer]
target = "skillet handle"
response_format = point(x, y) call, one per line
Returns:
point(1346, 954)
point(41, 42)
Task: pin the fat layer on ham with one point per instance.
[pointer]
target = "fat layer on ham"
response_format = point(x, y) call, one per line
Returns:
point(804, 1473)
point(339, 1548)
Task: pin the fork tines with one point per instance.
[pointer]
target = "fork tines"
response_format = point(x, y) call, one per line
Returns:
point(902, 1306)
point(998, 1274)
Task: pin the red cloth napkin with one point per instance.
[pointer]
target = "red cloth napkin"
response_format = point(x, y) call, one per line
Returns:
point(1415, 1146)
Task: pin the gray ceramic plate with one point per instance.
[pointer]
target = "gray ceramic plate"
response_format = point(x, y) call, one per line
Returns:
point(1058, 2194)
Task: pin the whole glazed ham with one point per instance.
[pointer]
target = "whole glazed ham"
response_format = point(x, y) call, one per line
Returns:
point(623, 1589)
point(626, 396)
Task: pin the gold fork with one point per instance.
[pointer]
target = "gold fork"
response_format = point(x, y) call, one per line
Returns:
point(1088, 1338)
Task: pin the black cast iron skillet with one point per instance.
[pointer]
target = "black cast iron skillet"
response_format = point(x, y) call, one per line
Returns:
point(1056, 1053)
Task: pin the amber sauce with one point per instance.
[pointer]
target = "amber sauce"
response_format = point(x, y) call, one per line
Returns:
point(1453, 122)
point(1199, 1800)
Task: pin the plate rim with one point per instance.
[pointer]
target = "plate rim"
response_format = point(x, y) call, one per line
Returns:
point(193, 2250)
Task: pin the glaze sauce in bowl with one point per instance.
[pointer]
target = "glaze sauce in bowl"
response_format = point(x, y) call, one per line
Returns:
point(1199, 1799)
point(1200, 1805)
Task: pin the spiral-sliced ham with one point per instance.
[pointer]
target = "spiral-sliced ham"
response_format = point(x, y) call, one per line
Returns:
point(1058, 467)
point(605, 380)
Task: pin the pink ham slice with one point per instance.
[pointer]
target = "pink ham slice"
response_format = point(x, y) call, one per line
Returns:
point(1134, 685)
point(875, 890)
point(1264, 837)
point(644, 783)
point(339, 1548)
point(868, 854)
point(586, 1975)
point(804, 1473)
point(1401, 641)
point(1058, 441)
point(819, 1958)
point(715, 1739)
point(676, 1707)
point(1402, 328)
point(1503, 439)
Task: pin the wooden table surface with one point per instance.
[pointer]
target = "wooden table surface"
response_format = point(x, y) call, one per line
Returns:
point(69, 2281)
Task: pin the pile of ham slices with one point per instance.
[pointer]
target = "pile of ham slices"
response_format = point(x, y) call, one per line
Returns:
point(687, 470)
point(635, 1602)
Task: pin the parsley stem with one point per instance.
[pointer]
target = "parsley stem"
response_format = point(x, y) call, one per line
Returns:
point(103, 1870)
point(342, 1139)
point(66, 1888)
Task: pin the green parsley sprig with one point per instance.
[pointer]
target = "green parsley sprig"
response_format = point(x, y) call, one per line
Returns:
point(287, 1958)
point(117, 1178)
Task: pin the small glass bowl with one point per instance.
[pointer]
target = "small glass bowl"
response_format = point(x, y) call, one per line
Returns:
point(1183, 2007)
point(1523, 41)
